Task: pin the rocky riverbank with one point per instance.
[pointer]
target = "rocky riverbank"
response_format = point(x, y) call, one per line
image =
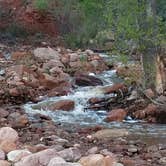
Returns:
point(31, 74)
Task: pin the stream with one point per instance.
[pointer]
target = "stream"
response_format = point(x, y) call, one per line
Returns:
point(81, 117)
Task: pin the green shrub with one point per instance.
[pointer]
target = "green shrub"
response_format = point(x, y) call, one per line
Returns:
point(41, 5)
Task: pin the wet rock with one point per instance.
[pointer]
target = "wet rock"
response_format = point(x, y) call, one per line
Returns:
point(8, 134)
point(116, 115)
point(97, 160)
point(65, 105)
point(38, 159)
point(17, 155)
point(110, 133)
point(114, 88)
point(87, 80)
point(148, 112)
point(42, 117)
point(71, 154)
point(95, 100)
point(4, 163)
point(2, 155)
point(46, 53)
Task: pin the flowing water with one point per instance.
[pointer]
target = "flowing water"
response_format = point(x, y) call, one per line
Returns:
point(81, 117)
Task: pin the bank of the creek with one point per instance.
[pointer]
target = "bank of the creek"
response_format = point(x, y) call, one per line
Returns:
point(70, 108)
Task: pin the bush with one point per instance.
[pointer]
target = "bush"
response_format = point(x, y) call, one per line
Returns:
point(41, 5)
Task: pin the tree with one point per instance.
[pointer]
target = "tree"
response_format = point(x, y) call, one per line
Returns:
point(137, 21)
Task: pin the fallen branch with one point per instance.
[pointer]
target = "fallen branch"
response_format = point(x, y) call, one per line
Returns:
point(149, 98)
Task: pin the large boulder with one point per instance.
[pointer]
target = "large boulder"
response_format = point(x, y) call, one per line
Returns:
point(37, 159)
point(8, 134)
point(116, 115)
point(44, 53)
point(87, 80)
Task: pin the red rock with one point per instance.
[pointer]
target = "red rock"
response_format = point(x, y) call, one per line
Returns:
point(116, 115)
point(95, 100)
point(65, 105)
point(150, 109)
point(87, 80)
point(7, 146)
point(114, 88)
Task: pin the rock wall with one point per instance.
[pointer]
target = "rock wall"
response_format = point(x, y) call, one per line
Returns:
point(26, 16)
